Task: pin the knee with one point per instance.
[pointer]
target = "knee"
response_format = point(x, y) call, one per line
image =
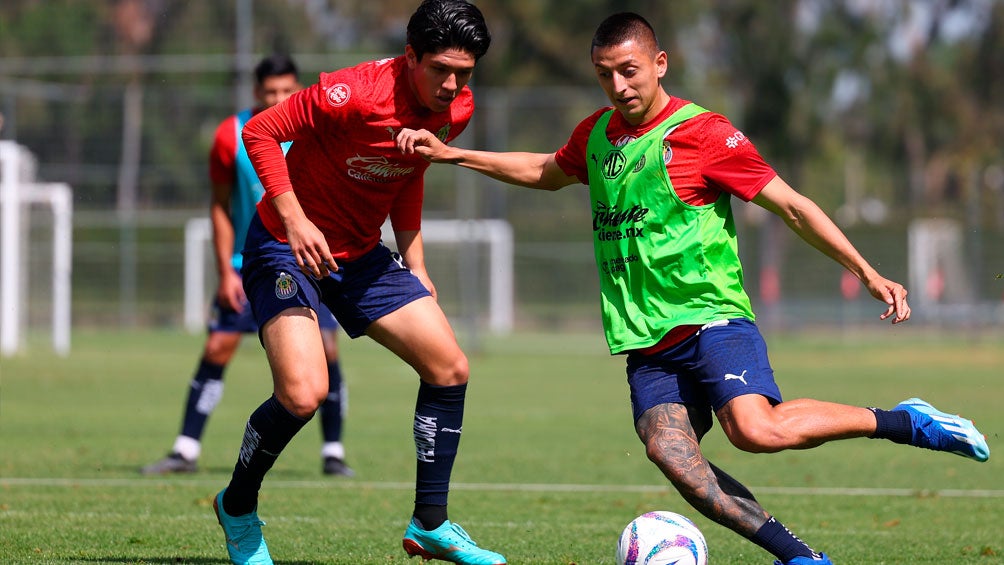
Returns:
point(673, 464)
point(303, 400)
point(220, 348)
point(455, 372)
point(664, 461)
point(299, 408)
point(330, 346)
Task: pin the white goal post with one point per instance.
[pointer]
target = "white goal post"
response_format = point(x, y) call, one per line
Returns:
point(18, 192)
point(497, 234)
point(936, 263)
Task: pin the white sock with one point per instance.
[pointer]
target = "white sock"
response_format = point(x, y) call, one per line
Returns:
point(187, 447)
point(333, 449)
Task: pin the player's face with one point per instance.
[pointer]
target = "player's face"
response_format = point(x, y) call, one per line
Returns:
point(275, 89)
point(629, 74)
point(438, 78)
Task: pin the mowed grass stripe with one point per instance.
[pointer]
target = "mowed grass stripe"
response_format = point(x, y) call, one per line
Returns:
point(504, 487)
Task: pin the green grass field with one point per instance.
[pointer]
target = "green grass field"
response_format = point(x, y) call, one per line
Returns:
point(549, 470)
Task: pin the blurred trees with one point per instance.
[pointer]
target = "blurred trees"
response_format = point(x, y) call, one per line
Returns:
point(903, 97)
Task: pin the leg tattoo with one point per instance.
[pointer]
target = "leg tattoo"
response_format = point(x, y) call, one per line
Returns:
point(671, 434)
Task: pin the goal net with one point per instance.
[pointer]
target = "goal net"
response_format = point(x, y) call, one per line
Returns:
point(470, 262)
point(936, 258)
point(35, 252)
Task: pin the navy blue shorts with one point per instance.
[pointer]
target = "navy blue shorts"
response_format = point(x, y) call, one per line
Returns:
point(720, 362)
point(226, 319)
point(359, 293)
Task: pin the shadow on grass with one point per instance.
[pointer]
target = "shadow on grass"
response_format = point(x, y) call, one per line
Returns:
point(163, 560)
point(211, 471)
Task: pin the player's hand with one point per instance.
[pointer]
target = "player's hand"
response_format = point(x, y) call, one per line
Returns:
point(423, 277)
point(894, 295)
point(423, 143)
point(310, 249)
point(230, 293)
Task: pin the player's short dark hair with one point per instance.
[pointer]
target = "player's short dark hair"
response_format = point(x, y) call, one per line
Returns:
point(275, 65)
point(438, 25)
point(622, 27)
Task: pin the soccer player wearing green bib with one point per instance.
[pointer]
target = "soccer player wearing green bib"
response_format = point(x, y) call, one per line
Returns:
point(661, 173)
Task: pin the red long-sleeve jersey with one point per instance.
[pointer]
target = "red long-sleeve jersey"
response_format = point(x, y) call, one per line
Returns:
point(344, 166)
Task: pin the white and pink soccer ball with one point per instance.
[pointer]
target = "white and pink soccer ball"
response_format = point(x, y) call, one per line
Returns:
point(662, 538)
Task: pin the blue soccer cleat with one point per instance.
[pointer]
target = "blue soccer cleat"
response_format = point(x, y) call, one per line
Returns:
point(933, 429)
point(823, 560)
point(245, 543)
point(448, 542)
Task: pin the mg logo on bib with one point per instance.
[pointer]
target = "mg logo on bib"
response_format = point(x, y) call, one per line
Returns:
point(613, 164)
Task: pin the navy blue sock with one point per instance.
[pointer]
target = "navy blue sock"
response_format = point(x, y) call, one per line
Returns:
point(893, 425)
point(331, 409)
point(780, 542)
point(439, 418)
point(204, 393)
point(269, 429)
point(430, 514)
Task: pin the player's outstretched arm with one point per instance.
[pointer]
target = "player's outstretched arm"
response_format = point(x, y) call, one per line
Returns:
point(806, 219)
point(532, 170)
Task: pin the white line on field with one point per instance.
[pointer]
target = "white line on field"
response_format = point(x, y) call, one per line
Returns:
point(501, 487)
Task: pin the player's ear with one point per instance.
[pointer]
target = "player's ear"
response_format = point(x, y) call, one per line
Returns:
point(411, 57)
point(661, 63)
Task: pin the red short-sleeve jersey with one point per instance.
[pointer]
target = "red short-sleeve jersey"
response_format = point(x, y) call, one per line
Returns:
point(343, 165)
point(709, 155)
point(223, 153)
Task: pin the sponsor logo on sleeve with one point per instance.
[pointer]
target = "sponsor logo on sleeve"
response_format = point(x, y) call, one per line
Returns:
point(735, 140)
point(338, 94)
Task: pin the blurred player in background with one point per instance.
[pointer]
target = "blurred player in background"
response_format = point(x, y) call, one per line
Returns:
point(661, 173)
point(316, 241)
point(236, 191)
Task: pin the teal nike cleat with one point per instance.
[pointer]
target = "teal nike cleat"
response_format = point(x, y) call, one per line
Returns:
point(933, 429)
point(448, 542)
point(245, 543)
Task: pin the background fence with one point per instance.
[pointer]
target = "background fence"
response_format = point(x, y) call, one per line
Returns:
point(128, 263)
point(128, 267)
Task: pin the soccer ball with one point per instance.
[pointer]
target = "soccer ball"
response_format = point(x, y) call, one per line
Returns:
point(662, 538)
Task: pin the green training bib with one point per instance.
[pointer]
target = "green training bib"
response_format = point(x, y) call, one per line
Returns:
point(662, 263)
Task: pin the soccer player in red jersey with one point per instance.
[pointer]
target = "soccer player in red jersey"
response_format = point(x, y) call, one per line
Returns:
point(661, 173)
point(236, 192)
point(316, 240)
